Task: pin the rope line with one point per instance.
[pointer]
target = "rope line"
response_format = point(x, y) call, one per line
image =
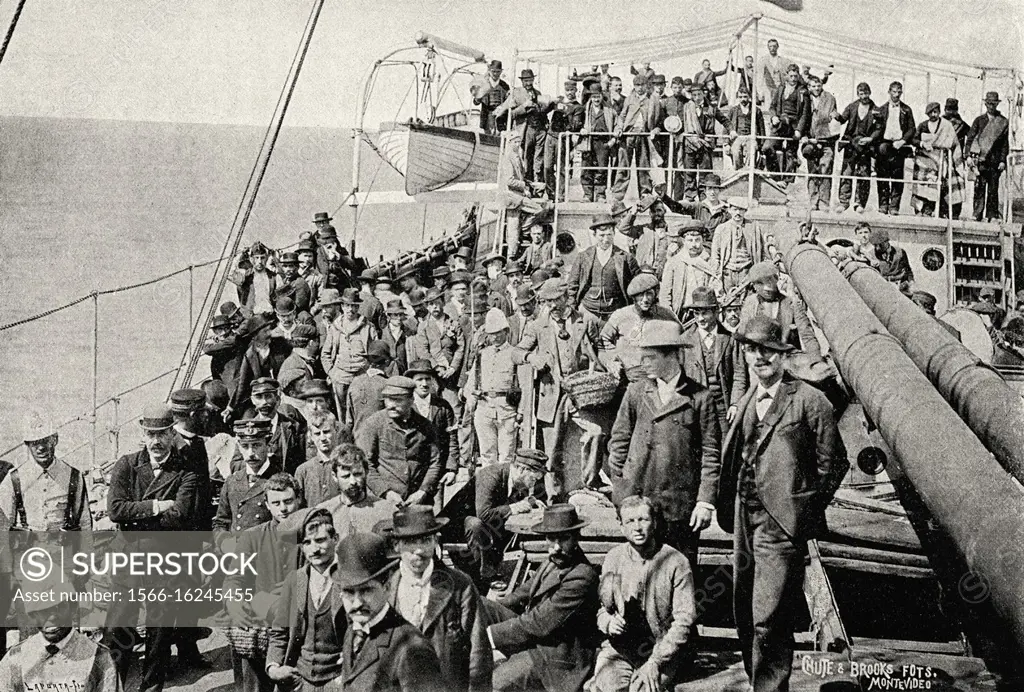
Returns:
point(10, 30)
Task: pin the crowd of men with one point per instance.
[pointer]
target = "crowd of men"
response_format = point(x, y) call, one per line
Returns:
point(793, 125)
point(356, 404)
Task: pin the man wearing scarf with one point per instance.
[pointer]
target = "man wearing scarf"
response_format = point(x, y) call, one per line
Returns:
point(937, 161)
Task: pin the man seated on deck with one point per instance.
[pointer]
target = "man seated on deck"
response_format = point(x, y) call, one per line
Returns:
point(892, 261)
point(647, 606)
point(546, 626)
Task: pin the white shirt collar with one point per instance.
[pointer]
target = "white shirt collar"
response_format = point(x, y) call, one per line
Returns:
point(266, 465)
point(771, 391)
point(421, 404)
point(373, 621)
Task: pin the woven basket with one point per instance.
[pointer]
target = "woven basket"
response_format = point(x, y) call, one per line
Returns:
point(248, 642)
point(590, 389)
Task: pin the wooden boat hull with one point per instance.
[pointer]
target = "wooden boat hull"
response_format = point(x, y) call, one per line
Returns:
point(431, 158)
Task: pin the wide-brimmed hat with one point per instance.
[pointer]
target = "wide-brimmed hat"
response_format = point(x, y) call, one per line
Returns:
point(351, 297)
point(442, 272)
point(322, 216)
point(525, 295)
point(526, 74)
point(460, 277)
point(661, 334)
point(559, 519)
point(307, 245)
point(703, 298)
point(395, 307)
point(289, 258)
point(512, 268)
point(420, 366)
point(367, 276)
point(156, 417)
point(220, 321)
point(416, 520)
point(329, 296)
point(761, 330)
point(411, 270)
point(673, 123)
point(433, 295)
point(992, 96)
point(362, 557)
point(493, 257)
point(495, 321)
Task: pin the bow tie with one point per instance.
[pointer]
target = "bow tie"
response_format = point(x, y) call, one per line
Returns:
point(52, 649)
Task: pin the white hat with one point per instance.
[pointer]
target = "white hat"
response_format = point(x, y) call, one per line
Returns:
point(38, 426)
point(740, 202)
point(495, 321)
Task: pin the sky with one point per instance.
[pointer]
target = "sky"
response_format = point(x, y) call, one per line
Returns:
point(224, 61)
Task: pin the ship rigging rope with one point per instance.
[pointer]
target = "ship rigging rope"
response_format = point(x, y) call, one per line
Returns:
point(249, 199)
point(10, 29)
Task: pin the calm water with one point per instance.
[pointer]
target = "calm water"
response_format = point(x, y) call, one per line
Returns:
point(91, 205)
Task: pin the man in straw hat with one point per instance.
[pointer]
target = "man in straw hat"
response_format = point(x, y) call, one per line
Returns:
point(666, 439)
point(738, 244)
point(600, 275)
point(688, 269)
point(153, 489)
point(546, 626)
point(440, 601)
point(772, 494)
point(988, 145)
point(402, 449)
point(643, 581)
point(382, 652)
point(493, 385)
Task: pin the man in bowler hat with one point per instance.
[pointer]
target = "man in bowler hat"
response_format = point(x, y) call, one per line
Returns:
point(382, 652)
point(547, 627)
point(988, 145)
point(491, 97)
point(782, 462)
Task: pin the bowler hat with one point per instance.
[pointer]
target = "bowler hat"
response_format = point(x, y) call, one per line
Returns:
point(420, 366)
point(433, 295)
point(992, 96)
point(538, 278)
point(327, 233)
point(642, 283)
point(602, 220)
point(38, 426)
point(397, 386)
point(329, 296)
point(761, 330)
point(533, 459)
point(378, 352)
point(513, 268)
point(284, 306)
point(525, 295)
point(526, 74)
point(594, 88)
point(559, 519)
point(367, 276)
point(552, 289)
point(952, 104)
point(362, 557)
point(417, 297)
point(658, 79)
point(289, 258)
point(252, 429)
point(216, 394)
point(494, 65)
point(312, 388)
point(184, 400)
point(351, 297)
point(618, 209)
point(307, 245)
point(703, 298)
point(395, 307)
point(250, 327)
point(661, 334)
point(460, 278)
point(220, 321)
point(416, 520)
point(322, 216)
point(157, 417)
point(264, 384)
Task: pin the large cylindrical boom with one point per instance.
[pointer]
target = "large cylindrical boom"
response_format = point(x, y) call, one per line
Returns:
point(966, 490)
point(990, 407)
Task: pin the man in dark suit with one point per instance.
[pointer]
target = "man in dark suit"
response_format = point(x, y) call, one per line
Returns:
point(490, 97)
point(665, 442)
point(153, 489)
point(714, 359)
point(253, 339)
point(790, 118)
point(440, 601)
point(783, 460)
point(431, 406)
point(382, 652)
point(858, 141)
point(364, 398)
point(548, 626)
point(600, 276)
point(305, 645)
point(287, 426)
point(988, 144)
point(898, 135)
point(288, 268)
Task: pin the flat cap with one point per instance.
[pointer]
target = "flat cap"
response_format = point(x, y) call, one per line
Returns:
point(533, 459)
point(661, 334)
point(289, 258)
point(642, 283)
point(303, 333)
point(312, 388)
point(739, 202)
point(763, 271)
point(398, 386)
point(284, 306)
point(265, 384)
point(552, 289)
point(878, 235)
point(187, 399)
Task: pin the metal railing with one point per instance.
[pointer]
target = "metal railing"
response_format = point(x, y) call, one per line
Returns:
point(722, 145)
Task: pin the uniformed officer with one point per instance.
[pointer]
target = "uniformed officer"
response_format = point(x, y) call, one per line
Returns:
point(492, 382)
point(189, 409)
point(287, 426)
point(58, 658)
point(242, 499)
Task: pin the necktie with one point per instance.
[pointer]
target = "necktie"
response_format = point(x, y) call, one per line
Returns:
point(760, 406)
point(52, 649)
point(358, 639)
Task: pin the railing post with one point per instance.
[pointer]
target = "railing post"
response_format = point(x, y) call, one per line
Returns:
point(116, 428)
point(670, 168)
point(834, 192)
point(95, 375)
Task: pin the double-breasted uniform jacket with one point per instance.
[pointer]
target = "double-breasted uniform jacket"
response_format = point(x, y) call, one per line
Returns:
point(241, 507)
point(134, 486)
point(908, 126)
point(290, 618)
point(539, 347)
point(801, 460)
point(453, 625)
point(728, 362)
point(287, 443)
point(557, 625)
point(394, 658)
point(404, 457)
point(667, 451)
point(626, 269)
